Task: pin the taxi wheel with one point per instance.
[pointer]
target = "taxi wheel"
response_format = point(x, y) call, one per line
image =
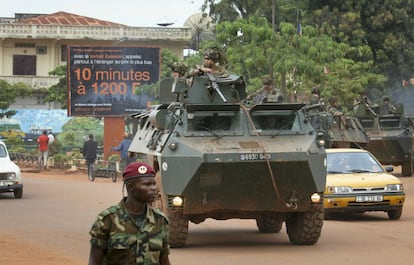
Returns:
point(395, 214)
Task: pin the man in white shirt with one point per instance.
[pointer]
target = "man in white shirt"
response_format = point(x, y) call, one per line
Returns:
point(51, 137)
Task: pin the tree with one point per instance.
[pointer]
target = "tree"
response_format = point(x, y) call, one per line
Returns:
point(296, 62)
point(8, 96)
point(58, 92)
point(385, 26)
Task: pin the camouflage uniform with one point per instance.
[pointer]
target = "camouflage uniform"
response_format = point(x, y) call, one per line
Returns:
point(126, 242)
point(262, 96)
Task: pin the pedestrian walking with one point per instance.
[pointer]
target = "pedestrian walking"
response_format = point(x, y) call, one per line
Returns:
point(123, 148)
point(89, 150)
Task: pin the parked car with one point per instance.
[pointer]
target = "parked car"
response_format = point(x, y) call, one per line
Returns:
point(357, 182)
point(12, 133)
point(10, 174)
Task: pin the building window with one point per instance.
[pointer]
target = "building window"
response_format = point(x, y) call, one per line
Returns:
point(24, 45)
point(40, 100)
point(41, 50)
point(24, 64)
point(64, 53)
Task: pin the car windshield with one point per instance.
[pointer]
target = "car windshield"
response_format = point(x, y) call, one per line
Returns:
point(3, 152)
point(349, 162)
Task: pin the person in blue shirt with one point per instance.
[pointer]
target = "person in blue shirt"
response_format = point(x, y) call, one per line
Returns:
point(123, 148)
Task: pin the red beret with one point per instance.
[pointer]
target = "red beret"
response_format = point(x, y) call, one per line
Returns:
point(136, 170)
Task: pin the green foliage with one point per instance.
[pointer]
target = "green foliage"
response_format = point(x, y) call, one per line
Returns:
point(58, 92)
point(14, 141)
point(114, 158)
point(8, 96)
point(76, 131)
point(168, 59)
point(366, 45)
point(55, 147)
point(18, 149)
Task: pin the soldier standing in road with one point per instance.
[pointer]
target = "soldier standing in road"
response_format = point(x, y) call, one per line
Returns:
point(132, 232)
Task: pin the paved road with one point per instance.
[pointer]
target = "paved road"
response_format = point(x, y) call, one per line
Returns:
point(50, 226)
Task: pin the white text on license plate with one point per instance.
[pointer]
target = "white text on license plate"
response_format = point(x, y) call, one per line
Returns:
point(254, 156)
point(369, 198)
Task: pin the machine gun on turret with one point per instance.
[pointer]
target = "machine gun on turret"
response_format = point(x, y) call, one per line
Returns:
point(215, 86)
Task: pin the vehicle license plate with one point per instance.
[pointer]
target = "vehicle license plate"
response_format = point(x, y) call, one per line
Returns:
point(369, 198)
point(254, 156)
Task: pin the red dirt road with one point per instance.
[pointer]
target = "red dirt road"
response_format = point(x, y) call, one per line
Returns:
point(50, 225)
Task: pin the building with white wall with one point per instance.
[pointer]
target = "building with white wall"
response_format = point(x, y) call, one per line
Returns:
point(31, 45)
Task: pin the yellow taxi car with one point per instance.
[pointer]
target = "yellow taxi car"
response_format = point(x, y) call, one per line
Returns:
point(357, 182)
point(12, 133)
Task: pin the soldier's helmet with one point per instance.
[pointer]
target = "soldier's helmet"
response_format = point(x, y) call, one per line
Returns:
point(216, 54)
point(316, 91)
point(180, 68)
point(266, 80)
point(386, 98)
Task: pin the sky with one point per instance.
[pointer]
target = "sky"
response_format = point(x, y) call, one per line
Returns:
point(135, 13)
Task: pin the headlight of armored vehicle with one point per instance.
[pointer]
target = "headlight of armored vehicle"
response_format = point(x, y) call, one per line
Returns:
point(320, 140)
point(177, 201)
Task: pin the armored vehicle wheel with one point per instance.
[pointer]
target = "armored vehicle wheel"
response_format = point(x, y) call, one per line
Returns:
point(304, 228)
point(18, 193)
point(395, 214)
point(268, 224)
point(177, 223)
point(178, 226)
point(407, 168)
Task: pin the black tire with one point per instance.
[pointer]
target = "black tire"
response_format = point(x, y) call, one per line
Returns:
point(177, 222)
point(407, 169)
point(395, 214)
point(268, 224)
point(178, 228)
point(18, 193)
point(304, 228)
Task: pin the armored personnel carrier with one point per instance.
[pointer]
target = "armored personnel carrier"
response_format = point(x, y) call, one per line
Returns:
point(390, 136)
point(340, 131)
point(217, 158)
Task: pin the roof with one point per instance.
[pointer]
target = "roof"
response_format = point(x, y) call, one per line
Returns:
point(345, 150)
point(66, 19)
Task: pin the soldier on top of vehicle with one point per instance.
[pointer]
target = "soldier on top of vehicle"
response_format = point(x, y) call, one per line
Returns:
point(387, 108)
point(268, 93)
point(213, 62)
point(334, 107)
point(315, 97)
point(179, 69)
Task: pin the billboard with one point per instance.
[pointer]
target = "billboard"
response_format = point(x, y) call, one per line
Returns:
point(103, 81)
